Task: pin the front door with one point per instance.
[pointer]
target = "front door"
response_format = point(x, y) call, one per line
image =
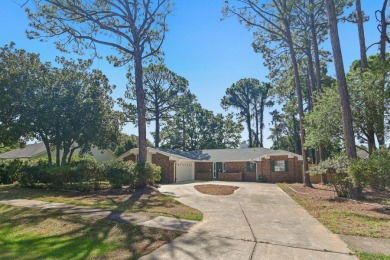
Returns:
point(217, 169)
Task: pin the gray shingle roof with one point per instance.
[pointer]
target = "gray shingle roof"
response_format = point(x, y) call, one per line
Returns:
point(223, 155)
point(29, 151)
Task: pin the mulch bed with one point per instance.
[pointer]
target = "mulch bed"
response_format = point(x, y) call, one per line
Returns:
point(215, 189)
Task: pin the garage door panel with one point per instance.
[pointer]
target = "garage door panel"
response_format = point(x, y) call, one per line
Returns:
point(184, 171)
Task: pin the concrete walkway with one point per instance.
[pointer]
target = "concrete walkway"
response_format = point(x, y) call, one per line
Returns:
point(258, 221)
point(368, 244)
point(112, 215)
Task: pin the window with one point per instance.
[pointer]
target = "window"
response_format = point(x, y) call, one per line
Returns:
point(279, 166)
point(250, 166)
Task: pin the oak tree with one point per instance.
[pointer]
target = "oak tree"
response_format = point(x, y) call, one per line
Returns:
point(134, 29)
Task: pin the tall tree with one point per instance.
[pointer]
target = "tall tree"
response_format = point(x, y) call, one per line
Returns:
point(384, 40)
point(366, 90)
point(194, 128)
point(163, 91)
point(362, 38)
point(349, 136)
point(274, 23)
point(67, 108)
point(135, 29)
point(242, 96)
point(15, 65)
point(259, 106)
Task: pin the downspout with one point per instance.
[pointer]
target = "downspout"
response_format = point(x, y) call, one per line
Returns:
point(257, 175)
point(174, 172)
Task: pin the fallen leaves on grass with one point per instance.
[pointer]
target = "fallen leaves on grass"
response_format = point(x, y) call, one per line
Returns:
point(341, 215)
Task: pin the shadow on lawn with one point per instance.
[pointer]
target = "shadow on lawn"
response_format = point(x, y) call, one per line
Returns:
point(38, 234)
point(143, 201)
point(121, 199)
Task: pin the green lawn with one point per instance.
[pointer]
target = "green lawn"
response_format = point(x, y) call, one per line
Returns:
point(369, 256)
point(145, 201)
point(38, 234)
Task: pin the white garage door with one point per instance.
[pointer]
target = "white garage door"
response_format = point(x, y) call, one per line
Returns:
point(184, 171)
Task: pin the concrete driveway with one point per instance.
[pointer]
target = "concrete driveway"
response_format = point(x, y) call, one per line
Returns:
point(258, 221)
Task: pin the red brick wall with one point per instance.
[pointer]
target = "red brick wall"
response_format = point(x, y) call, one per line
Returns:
point(237, 176)
point(235, 167)
point(203, 171)
point(294, 173)
point(249, 176)
point(167, 167)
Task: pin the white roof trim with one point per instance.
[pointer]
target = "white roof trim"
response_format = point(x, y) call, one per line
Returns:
point(268, 156)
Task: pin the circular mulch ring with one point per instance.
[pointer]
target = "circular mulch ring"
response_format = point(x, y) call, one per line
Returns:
point(215, 189)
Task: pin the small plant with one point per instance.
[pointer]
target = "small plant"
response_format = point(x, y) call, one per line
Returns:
point(262, 178)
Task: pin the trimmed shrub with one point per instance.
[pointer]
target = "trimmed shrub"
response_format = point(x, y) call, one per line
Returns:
point(86, 174)
point(32, 173)
point(344, 183)
point(83, 175)
point(120, 173)
point(147, 174)
point(374, 171)
point(9, 170)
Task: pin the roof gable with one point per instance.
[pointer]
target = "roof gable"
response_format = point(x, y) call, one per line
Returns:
point(31, 150)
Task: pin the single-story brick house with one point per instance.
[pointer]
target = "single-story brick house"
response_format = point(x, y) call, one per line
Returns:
point(245, 164)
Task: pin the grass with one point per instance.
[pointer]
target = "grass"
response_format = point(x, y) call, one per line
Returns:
point(370, 256)
point(343, 217)
point(38, 234)
point(144, 201)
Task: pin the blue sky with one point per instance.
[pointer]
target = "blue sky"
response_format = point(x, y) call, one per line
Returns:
point(212, 54)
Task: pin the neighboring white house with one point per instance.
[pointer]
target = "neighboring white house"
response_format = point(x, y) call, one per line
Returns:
point(38, 150)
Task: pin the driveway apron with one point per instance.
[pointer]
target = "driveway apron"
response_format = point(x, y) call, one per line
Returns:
point(258, 221)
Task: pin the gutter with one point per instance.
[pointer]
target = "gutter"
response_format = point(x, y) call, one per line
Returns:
point(174, 172)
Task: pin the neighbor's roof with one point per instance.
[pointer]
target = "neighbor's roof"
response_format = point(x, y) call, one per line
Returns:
point(29, 151)
point(363, 154)
point(219, 155)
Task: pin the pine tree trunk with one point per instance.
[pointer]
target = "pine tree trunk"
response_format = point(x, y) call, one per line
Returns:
point(257, 126)
point(341, 81)
point(322, 153)
point(380, 131)
point(315, 46)
point(297, 148)
point(248, 124)
point(140, 108)
point(313, 80)
point(157, 133)
point(262, 122)
point(305, 173)
point(364, 65)
point(353, 191)
point(362, 39)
